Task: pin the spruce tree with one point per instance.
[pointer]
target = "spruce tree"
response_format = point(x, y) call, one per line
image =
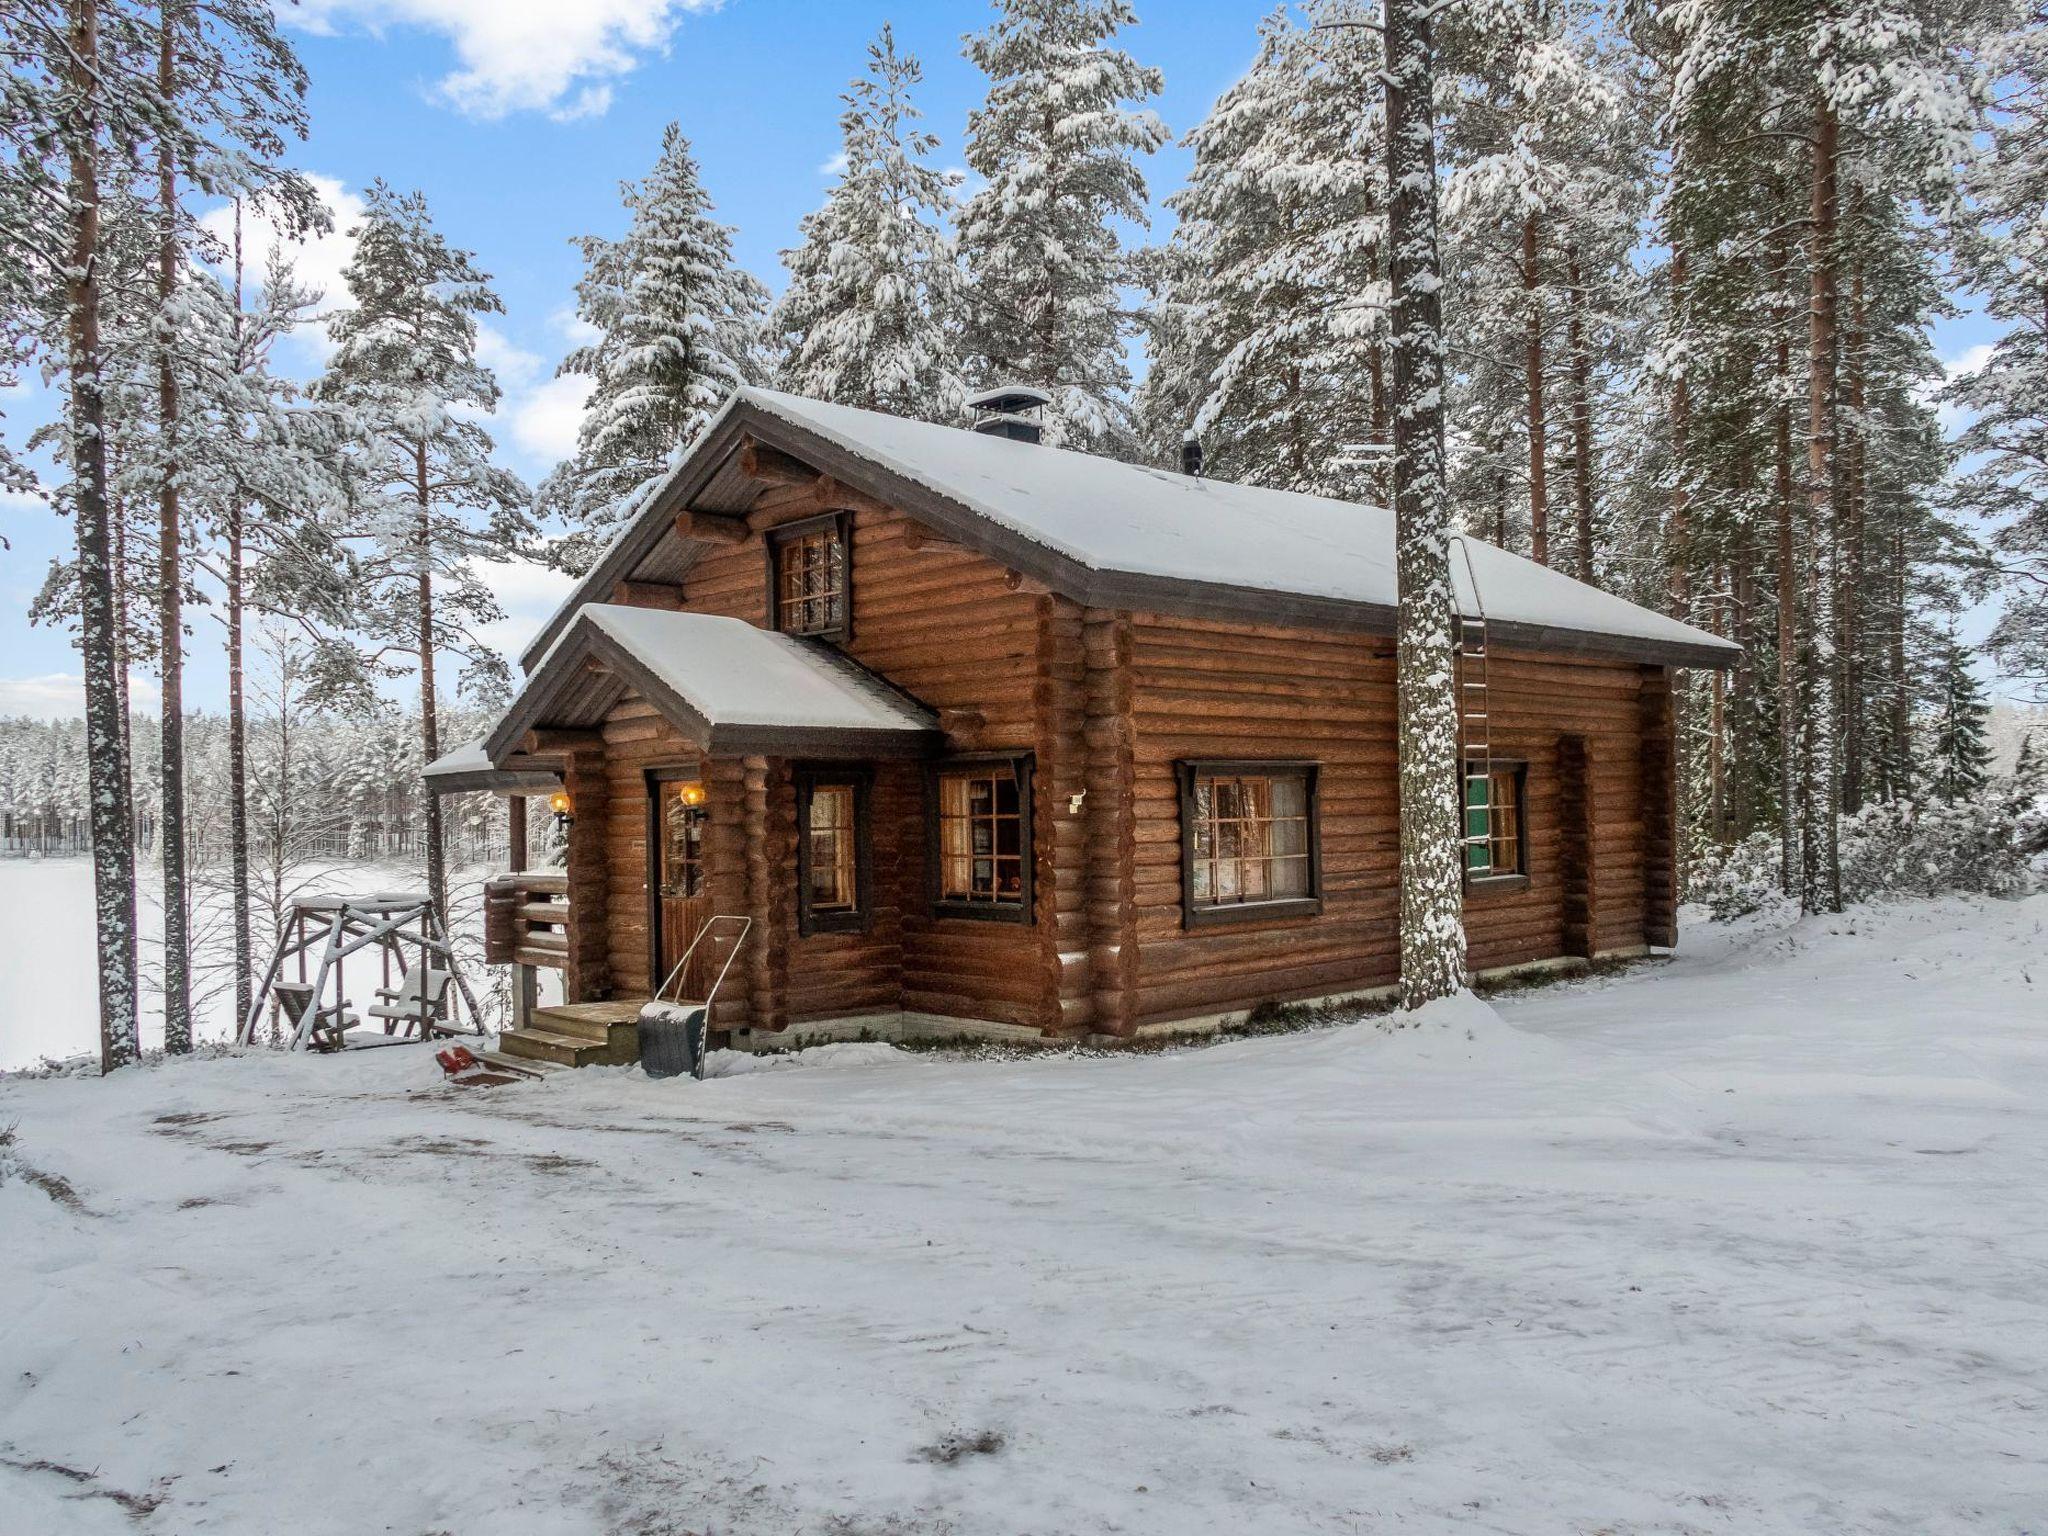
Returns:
point(1277, 268)
point(429, 503)
point(678, 330)
point(1057, 147)
point(874, 288)
point(1959, 750)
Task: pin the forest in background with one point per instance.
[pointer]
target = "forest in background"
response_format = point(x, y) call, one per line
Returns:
point(1687, 253)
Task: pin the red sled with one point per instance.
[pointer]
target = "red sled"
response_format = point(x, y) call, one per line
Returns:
point(456, 1059)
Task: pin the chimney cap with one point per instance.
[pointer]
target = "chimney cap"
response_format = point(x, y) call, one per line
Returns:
point(1009, 399)
point(1020, 429)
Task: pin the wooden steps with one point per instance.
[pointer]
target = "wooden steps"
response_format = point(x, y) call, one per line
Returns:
point(575, 1035)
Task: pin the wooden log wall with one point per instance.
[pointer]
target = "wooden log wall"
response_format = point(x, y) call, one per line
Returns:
point(586, 968)
point(956, 631)
point(1577, 873)
point(1209, 690)
point(1659, 791)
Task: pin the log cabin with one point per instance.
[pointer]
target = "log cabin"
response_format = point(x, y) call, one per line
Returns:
point(989, 738)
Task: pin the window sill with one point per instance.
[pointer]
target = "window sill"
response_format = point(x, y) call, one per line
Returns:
point(982, 912)
point(1252, 912)
point(831, 922)
point(1495, 885)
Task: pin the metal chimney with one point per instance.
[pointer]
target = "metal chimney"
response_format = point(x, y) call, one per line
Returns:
point(1014, 411)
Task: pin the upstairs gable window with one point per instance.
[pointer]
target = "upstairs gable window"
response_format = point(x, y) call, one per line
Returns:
point(809, 590)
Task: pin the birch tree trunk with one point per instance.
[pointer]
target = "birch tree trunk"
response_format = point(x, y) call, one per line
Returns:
point(112, 819)
point(1432, 917)
point(170, 584)
point(1821, 869)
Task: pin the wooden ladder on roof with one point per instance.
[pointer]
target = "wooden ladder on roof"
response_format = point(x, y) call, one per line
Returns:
point(1475, 720)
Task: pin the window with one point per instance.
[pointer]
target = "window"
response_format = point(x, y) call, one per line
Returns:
point(833, 854)
point(1248, 841)
point(1494, 844)
point(980, 837)
point(808, 590)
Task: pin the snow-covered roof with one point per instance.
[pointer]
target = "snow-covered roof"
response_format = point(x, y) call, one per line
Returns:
point(1126, 535)
point(726, 684)
point(469, 767)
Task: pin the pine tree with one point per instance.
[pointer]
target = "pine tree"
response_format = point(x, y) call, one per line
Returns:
point(1959, 750)
point(431, 503)
point(1543, 199)
point(1432, 896)
point(874, 289)
point(679, 329)
point(73, 107)
point(1057, 147)
point(1277, 269)
point(2004, 256)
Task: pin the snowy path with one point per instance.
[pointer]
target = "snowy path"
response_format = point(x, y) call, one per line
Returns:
point(1753, 1243)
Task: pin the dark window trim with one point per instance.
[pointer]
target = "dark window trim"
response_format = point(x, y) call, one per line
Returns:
point(840, 522)
point(1498, 882)
point(654, 778)
point(1023, 910)
point(1193, 915)
point(862, 779)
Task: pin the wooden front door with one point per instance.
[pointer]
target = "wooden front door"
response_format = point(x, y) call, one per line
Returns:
point(677, 819)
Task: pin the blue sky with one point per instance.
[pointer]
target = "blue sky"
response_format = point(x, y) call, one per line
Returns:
point(518, 118)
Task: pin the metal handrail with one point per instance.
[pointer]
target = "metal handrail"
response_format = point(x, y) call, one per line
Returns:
point(701, 1031)
point(746, 927)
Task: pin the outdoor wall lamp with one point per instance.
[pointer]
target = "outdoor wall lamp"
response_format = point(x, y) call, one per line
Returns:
point(691, 794)
point(563, 807)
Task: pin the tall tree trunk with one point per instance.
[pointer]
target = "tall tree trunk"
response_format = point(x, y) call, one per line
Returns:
point(1532, 375)
point(1789, 823)
point(1821, 887)
point(238, 719)
point(1678, 539)
point(1850, 507)
point(1432, 915)
point(1582, 414)
point(1902, 682)
point(170, 582)
point(1376, 384)
point(112, 820)
point(430, 728)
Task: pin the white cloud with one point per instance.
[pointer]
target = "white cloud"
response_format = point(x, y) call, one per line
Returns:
point(573, 328)
point(554, 56)
point(529, 594)
point(545, 420)
point(60, 695)
point(21, 501)
point(513, 364)
point(836, 166)
point(319, 261)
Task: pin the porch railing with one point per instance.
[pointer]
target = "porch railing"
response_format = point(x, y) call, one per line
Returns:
point(526, 920)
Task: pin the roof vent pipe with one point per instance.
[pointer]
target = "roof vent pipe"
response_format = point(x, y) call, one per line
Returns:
point(1015, 411)
point(1191, 455)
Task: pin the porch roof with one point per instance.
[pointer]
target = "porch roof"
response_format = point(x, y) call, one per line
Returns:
point(726, 685)
point(469, 767)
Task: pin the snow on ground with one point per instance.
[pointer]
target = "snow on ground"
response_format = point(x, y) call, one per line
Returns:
point(49, 983)
point(1752, 1242)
